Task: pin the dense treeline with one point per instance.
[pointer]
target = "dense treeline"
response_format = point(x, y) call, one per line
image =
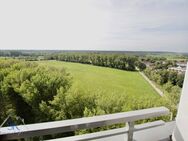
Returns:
point(163, 76)
point(123, 62)
point(12, 53)
point(26, 86)
point(152, 59)
point(112, 60)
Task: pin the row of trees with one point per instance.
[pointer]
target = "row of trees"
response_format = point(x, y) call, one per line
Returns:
point(164, 64)
point(12, 53)
point(123, 62)
point(152, 59)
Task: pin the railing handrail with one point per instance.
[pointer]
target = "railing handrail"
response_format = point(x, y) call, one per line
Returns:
point(48, 128)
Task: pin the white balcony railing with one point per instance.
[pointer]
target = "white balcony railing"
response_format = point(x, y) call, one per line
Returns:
point(49, 128)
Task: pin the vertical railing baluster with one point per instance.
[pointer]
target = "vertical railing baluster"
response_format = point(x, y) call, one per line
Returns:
point(130, 130)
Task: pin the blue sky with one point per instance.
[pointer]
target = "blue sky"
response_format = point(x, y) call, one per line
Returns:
point(133, 25)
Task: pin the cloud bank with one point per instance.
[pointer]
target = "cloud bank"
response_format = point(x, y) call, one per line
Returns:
point(148, 25)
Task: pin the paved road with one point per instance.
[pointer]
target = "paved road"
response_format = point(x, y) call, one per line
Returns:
point(151, 83)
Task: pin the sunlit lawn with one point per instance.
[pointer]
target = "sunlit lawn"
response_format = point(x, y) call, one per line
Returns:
point(105, 80)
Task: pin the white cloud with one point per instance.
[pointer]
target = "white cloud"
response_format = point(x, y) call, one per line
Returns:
point(94, 24)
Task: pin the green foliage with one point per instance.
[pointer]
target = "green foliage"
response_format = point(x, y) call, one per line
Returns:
point(171, 99)
point(44, 91)
point(171, 82)
point(180, 80)
point(163, 76)
point(69, 105)
point(141, 66)
point(24, 86)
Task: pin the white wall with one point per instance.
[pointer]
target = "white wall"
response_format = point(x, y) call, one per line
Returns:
point(181, 131)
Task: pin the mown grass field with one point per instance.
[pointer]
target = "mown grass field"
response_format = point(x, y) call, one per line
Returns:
point(108, 81)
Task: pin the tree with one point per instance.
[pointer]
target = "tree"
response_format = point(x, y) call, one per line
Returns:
point(173, 77)
point(180, 79)
point(141, 66)
point(26, 85)
point(168, 87)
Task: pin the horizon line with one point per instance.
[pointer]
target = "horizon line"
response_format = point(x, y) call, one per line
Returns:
point(156, 51)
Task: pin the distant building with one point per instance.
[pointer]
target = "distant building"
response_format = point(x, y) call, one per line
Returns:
point(148, 64)
point(181, 67)
point(182, 64)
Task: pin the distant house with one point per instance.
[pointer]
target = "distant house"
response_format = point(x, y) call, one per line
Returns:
point(40, 58)
point(148, 64)
point(181, 67)
point(182, 64)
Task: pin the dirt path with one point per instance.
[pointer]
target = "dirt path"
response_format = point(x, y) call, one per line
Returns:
point(153, 85)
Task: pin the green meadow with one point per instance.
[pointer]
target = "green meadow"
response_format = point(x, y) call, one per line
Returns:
point(106, 81)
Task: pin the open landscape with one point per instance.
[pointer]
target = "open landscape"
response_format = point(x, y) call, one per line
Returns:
point(80, 84)
point(85, 70)
point(51, 86)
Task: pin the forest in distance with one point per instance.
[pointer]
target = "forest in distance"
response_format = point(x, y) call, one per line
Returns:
point(50, 84)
